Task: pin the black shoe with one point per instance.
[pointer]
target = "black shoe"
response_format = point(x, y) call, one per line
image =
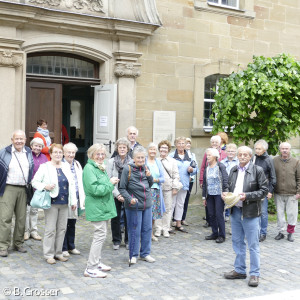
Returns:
point(279, 236)
point(234, 275)
point(206, 225)
point(290, 237)
point(262, 238)
point(20, 249)
point(253, 281)
point(211, 237)
point(220, 240)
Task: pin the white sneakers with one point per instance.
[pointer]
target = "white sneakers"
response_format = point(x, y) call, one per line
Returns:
point(166, 234)
point(65, 253)
point(103, 267)
point(94, 273)
point(148, 258)
point(157, 233)
point(154, 238)
point(74, 251)
point(133, 260)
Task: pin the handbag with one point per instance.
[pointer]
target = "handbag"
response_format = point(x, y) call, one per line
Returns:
point(28, 186)
point(41, 199)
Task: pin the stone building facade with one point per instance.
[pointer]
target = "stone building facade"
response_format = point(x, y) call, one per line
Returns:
point(151, 55)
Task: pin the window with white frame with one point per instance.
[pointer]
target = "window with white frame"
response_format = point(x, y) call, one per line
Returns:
point(225, 3)
point(209, 94)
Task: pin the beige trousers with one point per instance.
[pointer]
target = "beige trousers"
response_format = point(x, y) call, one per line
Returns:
point(163, 224)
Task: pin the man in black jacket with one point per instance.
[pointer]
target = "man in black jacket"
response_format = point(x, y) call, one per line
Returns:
point(248, 181)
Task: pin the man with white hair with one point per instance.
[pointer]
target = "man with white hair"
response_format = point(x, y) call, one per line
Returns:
point(250, 183)
point(287, 191)
point(16, 167)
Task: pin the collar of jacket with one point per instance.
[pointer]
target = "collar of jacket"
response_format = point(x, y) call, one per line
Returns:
point(248, 170)
point(285, 160)
point(186, 156)
point(263, 156)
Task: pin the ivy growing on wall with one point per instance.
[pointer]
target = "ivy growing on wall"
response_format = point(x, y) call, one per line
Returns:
point(260, 102)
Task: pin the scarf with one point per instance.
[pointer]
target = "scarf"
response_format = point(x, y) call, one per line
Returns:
point(119, 164)
point(45, 133)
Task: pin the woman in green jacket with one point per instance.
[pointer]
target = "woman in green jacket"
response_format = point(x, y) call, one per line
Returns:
point(99, 206)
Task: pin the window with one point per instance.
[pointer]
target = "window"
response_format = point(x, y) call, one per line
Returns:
point(209, 94)
point(229, 3)
point(59, 65)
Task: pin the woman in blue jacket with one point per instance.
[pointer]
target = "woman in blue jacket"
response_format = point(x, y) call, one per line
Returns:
point(185, 171)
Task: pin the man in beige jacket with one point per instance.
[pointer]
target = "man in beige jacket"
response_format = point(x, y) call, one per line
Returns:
point(287, 191)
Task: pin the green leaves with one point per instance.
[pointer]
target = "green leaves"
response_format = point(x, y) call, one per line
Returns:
point(260, 102)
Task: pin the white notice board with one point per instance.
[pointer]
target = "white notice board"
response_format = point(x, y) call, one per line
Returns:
point(164, 126)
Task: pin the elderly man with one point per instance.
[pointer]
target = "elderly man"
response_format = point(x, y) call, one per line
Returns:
point(16, 167)
point(287, 191)
point(250, 183)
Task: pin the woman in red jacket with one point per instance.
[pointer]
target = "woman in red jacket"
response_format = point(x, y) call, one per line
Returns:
point(43, 133)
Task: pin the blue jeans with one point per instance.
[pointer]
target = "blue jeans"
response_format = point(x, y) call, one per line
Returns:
point(249, 228)
point(215, 208)
point(263, 220)
point(143, 231)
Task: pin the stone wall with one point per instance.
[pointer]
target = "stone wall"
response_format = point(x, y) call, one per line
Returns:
point(197, 40)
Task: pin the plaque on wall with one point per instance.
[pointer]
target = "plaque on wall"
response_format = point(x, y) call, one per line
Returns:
point(164, 123)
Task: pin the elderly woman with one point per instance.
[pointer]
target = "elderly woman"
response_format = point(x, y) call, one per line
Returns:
point(192, 179)
point(215, 143)
point(156, 169)
point(224, 139)
point(170, 187)
point(215, 185)
point(70, 150)
point(263, 160)
point(99, 206)
point(114, 169)
point(39, 158)
point(43, 133)
point(56, 177)
point(185, 171)
point(135, 184)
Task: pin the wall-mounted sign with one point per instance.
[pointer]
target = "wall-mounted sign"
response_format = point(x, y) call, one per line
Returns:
point(164, 124)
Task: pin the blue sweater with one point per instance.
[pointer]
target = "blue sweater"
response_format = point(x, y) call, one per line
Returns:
point(5, 158)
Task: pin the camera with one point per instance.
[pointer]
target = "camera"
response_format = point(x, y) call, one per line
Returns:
point(193, 164)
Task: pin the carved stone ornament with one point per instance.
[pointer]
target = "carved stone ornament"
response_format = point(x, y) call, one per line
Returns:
point(127, 70)
point(10, 59)
point(91, 5)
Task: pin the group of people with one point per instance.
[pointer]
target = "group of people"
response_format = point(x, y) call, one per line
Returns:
point(147, 189)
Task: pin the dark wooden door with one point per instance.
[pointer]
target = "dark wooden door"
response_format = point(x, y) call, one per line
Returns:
point(44, 101)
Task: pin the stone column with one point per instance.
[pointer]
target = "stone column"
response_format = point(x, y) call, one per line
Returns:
point(127, 69)
point(12, 78)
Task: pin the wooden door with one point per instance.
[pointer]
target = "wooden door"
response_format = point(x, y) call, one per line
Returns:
point(44, 101)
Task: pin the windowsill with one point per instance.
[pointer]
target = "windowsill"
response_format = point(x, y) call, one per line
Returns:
point(201, 132)
point(223, 10)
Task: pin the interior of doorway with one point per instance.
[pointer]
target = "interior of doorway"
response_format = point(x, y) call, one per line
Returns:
point(77, 117)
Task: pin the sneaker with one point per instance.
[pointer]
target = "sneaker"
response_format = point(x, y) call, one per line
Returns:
point(166, 234)
point(279, 236)
point(234, 275)
point(20, 249)
point(26, 236)
point(148, 258)
point(3, 253)
point(103, 267)
point(132, 260)
point(61, 258)
point(116, 247)
point(94, 273)
point(65, 253)
point(290, 237)
point(35, 236)
point(253, 281)
point(74, 251)
point(154, 239)
point(51, 261)
point(157, 233)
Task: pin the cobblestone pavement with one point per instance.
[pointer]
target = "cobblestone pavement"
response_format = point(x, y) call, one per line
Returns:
point(186, 267)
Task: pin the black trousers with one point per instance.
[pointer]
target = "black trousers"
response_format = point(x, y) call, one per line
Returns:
point(116, 225)
point(69, 241)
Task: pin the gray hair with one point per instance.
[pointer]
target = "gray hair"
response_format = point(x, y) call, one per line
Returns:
point(231, 146)
point(38, 141)
point(263, 143)
point(152, 145)
point(94, 148)
point(285, 144)
point(70, 145)
point(216, 138)
point(133, 128)
point(137, 150)
point(245, 148)
point(214, 152)
point(122, 141)
point(18, 131)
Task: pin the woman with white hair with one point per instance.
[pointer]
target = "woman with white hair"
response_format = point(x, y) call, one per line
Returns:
point(215, 185)
point(263, 160)
point(157, 171)
point(70, 150)
point(39, 158)
point(215, 143)
point(99, 206)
